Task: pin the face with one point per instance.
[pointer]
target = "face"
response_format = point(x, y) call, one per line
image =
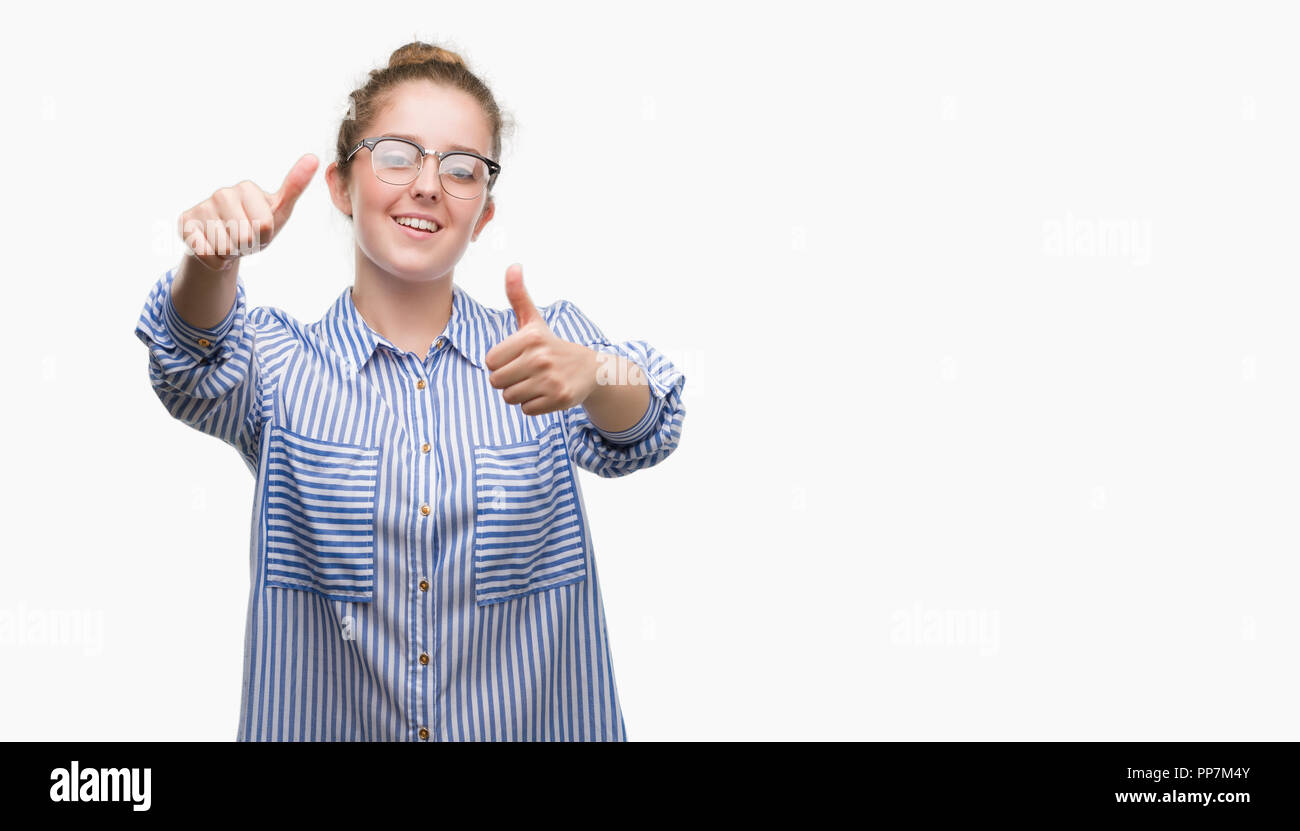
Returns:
point(436, 117)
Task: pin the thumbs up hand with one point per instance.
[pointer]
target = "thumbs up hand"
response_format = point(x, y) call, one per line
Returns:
point(533, 366)
point(242, 219)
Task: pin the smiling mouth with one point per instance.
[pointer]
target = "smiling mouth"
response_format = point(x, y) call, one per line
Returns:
point(414, 231)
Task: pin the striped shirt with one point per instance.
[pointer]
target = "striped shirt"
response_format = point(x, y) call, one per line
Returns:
point(421, 566)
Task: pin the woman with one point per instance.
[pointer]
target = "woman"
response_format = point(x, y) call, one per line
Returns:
point(421, 567)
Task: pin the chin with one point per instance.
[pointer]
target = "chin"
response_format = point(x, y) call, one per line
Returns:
point(416, 269)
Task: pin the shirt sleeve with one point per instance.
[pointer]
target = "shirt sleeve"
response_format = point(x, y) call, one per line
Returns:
point(210, 378)
point(650, 440)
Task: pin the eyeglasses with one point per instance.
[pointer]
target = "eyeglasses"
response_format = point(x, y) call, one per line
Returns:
point(398, 161)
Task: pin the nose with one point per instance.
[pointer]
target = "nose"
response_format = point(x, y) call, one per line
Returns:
point(428, 182)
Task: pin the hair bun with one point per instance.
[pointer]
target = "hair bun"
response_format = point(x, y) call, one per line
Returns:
point(418, 52)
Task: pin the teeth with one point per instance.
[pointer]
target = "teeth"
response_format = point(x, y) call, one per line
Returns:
point(422, 224)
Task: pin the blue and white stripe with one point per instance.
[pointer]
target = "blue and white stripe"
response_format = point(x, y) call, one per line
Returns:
point(394, 589)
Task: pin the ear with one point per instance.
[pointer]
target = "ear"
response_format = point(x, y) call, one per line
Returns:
point(484, 218)
point(338, 188)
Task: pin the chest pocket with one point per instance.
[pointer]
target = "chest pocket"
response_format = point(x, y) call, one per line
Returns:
point(529, 533)
point(319, 521)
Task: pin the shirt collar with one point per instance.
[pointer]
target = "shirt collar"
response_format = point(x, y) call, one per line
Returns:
point(350, 335)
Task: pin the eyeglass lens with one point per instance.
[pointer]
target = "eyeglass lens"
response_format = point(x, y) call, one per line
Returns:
point(398, 163)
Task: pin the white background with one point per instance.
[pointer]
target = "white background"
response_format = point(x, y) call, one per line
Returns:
point(986, 313)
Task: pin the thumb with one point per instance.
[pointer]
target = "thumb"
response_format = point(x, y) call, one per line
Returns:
point(283, 200)
point(525, 311)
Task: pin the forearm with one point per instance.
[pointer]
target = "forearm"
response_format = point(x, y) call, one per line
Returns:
point(621, 395)
point(203, 297)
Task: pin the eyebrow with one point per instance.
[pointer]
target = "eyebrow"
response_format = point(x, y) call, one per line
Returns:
point(410, 137)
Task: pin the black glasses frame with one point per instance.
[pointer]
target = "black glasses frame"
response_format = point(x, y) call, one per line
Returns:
point(369, 144)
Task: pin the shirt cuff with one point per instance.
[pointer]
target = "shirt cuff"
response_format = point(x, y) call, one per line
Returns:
point(200, 344)
point(648, 424)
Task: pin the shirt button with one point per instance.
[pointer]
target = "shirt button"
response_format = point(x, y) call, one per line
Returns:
point(424, 732)
point(204, 342)
point(419, 385)
point(424, 657)
point(437, 344)
point(424, 585)
point(424, 509)
point(425, 447)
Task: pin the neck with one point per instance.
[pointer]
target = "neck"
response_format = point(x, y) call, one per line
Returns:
point(410, 314)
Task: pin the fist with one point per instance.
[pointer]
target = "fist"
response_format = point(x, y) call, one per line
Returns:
point(241, 220)
point(535, 368)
